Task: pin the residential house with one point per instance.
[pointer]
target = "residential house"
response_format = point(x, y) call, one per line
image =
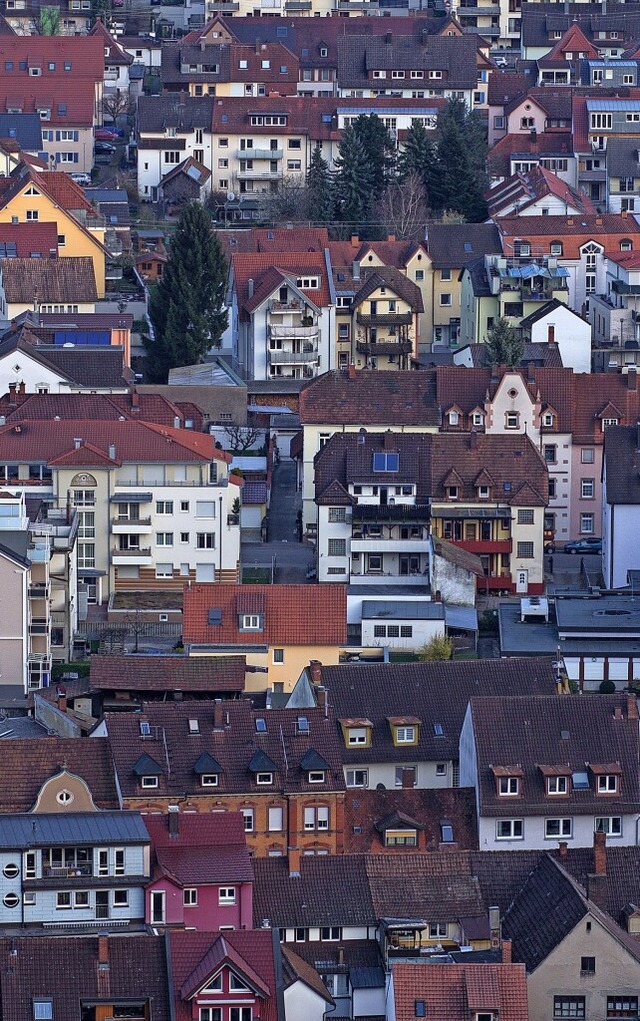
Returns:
point(188, 182)
point(278, 628)
point(520, 152)
point(33, 766)
point(400, 723)
point(620, 503)
point(53, 285)
point(60, 79)
point(21, 135)
point(281, 769)
point(98, 861)
point(159, 677)
point(450, 246)
point(543, 24)
point(237, 969)
point(390, 821)
point(518, 109)
point(346, 401)
point(556, 323)
point(622, 172)
point(282, 314)
point(111, 472)
point(581, 245)
point(614, 312)
point(549, 769)
point(455, 990)
point(169, 131)
point(507, 287)
point(27, 197)
point(92, 977)
point(117, 62)
point(539, 192)
point(102, 328)
point(562, 64)
point(384, 315)
point(201, 874)
point(580, 960)
point(218, 68)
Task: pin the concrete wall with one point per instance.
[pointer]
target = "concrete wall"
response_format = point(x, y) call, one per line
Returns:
point(300, 1001)
point(13, 623)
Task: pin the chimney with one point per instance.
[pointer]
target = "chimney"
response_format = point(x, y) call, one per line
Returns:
point(570, 221)
point(388, 38)
point(22, 388)
point(356, 270)
point(632, 378)
point(391, 237)
point(355, 240)
point(12, 394)
point(61, 693)
point(506, 951)
point(315, 669)
point(388, 440)
point(135, 400)
point(294, 862)
point(632, 707)
point(173, 820)
point(600, 854)
point(203, 45)
point(112, 451)
point(563, 848)
point(217, 714)
point(322, 695)
point(104, 978)
point(473, 440)
point(624, 213)
point(250, 287)
point(617, 713)
point(352, 371)
point(599, 220)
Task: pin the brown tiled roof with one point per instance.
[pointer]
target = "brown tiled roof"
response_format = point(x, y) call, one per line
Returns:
point(544, 144)
point(573, 231)
point(453, 991)
point(26, 763)
point(232, 747)
point(31, 238)
point(437, 693)
point(621, 465)
point(250, 950)
point(531, 186)
point(71, 279)
point(592, 393)
point(395, 281)
point(146, 599)
point(370, 398)
point(515, 461)
point(458, 556)
point(134, 441)
point(143, 407)
point(293, 614)
point(364, 810)
point(553, 731)
point(469, 388)
point(212, 674)
point(65, 969)
point(278, 239)
point(208, 848)
point(296, 969)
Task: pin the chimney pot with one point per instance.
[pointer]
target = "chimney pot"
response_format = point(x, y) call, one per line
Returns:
point(352, 371)
point(563, 848)
point(355, 240)
point(315, 669)
point(388, 440)
point(173, 820)
point(103, 949)
point(356, 270)
point(600, 854)
point(632, 707)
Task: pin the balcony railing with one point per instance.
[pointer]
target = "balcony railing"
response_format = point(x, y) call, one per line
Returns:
point(129, 554)
point(292, 332)
point(259, 154)
point(258, 175)
point(399, 347)
point(293, 357)
point(485, 545)
point(39, 591)
point(39, 627)
point(67, 871)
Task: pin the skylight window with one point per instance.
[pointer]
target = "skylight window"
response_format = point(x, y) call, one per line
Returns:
point(261, 725)
point(384, 462)
point(145, 729)
point(580, 781)
point(438, 730)
point(303, 725)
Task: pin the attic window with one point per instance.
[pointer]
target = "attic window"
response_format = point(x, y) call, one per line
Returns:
point(580, 781)
point(42, 1010)
point(264, 778)
point(261, 725)
point(308, 283)
point(446, 832)
point(303, 725)
point(626, 245)
point(149, 781)
point(454, 418)
point(420, 1009)
point(251, 622)
point(383, 462)
point(194, 726)
point(324, 52)
point(438, 730)
point(215, 618)
point(145, 729)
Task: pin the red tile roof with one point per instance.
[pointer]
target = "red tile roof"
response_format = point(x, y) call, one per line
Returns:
point(363, 809)
point(293, 614)
point(143, 407)
point(451, 992)
point(71, 279)
point(26, 763)
point(573, 41)
point(536, 184)
point(208, 848)
point(41, 441)
point(370, 398)
point(280, 239)
point(251, 949)
point(30, 238)
point(573, 231)
point(266, 277)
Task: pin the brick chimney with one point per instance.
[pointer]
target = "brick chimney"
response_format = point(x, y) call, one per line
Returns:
point(632, 378)
point(217, 714)
point(632, 707)
point(562, 849)
point(315, 669)
point(624, 213)
point(173, 820)
point(388, 440)
point(506, 951)
point(473, 440)
point(597, 880)
point(352, 371)
point(61, 693)
point(294, 862)
point(103, 969)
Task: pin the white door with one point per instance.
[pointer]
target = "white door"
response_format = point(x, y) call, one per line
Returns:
point(522, 581)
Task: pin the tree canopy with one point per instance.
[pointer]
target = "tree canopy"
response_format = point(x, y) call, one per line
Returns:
point(504, 345)
point(187, 306)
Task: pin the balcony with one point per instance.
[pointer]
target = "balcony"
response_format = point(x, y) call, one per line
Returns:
point(222, 7)
point(592, 175)
point(293, 357)
point(385, 319)
point(284, 307)
point(398, 347)
point(39, 591)
point(131, 556)
point(293, 6)
point(494, 583)
point(67, 871)
point(123, 525)
point(478, 10)
point(390, 578)
point(259, 154)
point(259, 175)
point(377, 544)
point(293, 332)
point(485, 545)
point(358, 6)
point(39, 626)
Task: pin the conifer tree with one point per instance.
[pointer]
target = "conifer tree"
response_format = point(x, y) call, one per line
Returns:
point(319, 189)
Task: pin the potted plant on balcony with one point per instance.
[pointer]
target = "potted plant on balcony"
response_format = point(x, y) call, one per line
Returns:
point(234, 517)
point(307, 320)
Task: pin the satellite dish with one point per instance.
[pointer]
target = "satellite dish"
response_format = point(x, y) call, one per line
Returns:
point(231, 196)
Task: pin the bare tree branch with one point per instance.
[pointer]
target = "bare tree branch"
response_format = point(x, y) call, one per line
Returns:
point(403, 209)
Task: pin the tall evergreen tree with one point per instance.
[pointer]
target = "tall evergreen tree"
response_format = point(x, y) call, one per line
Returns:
point(504, 346)
point(420, 156)
point(379, 148)
point(353, 180)
point(187, 307)
point(461, 160)
point(319, 189)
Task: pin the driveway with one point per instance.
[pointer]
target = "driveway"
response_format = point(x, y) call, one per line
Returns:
point(293, 559)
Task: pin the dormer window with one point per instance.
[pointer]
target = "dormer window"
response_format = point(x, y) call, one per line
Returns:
point(557, 785)
point(452, 492)
point(251, 622)
point(508, 780)
point(509, 786)
point(454, 418)
point(608, 784)
point(264, 779)
point(477, 418)
point(317, 776)
point(547, 419)
point(607, 422)
point(405, 730)
point(148, 781)
point(357, 735)
point(511, 420)
point(483, 492)
point(356, 732)
point(209, 780)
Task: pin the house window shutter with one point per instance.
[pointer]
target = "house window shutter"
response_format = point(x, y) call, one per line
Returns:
point(75, 136)
point(58, 157)
point(57, 136)
point(309, 818)
point(75, 157)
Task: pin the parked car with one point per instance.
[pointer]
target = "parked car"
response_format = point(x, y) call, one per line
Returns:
point(84, 180)
point(104, 149)
point(590, 545)
point(105, 135)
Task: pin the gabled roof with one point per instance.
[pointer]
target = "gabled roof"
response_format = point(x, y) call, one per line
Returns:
point(555, 731)
point(367, 398)
point(169, 673)
point(116, 52)
point(451, 245)
point(292, 614)
point(295, 969)
point(454, 991)
point(208, 848)
point(524, 189)
point(26, 764)
point(71, 279)
point(267, 277)
point(573, 41)
point(196, 955)
point(388, 276)
point(622, 465)
point(191, 168)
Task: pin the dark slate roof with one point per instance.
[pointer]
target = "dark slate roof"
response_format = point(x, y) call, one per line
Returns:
point(65, 969)
point(479, 279)
point(155, 113)
point(455, 56)
point(622, 464)
point(233, 746)
point(25, 127)
point(87, 366)
point(538, 19)
point(41, 830)
point(622, 157)
point(543, 914)
point(452, 245)
point(579, 734)
point(432, 692)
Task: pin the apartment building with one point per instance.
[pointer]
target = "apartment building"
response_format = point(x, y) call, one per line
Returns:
point(153, 502)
